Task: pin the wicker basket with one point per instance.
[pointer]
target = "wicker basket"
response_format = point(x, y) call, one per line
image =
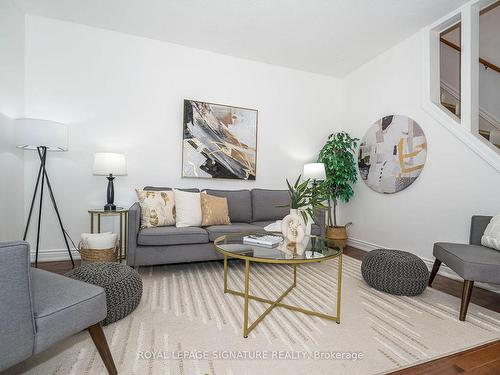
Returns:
point(98, 255)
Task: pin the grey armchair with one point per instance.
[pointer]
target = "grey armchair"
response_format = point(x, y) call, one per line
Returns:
point(39, 308)
point(473, 262)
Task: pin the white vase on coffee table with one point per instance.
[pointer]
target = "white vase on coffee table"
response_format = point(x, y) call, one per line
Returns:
point(293, 227)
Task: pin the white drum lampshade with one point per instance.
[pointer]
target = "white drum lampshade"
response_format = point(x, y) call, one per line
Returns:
point(33, 133)
point(314, 171)
point(42, 136)
point(106, 163)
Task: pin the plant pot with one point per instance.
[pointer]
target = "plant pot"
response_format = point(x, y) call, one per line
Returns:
point(338, 234)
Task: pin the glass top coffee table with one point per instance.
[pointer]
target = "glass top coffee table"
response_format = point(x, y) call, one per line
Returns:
point(313, 249)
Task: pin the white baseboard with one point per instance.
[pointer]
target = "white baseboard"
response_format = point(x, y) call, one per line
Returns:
point(443, 270)
point(54, 255)
point(363, 245)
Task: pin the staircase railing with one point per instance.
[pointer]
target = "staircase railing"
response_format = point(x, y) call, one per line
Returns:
point(481, 60)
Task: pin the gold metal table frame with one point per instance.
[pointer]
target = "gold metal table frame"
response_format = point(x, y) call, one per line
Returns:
point(122, 213)
point(294, 263)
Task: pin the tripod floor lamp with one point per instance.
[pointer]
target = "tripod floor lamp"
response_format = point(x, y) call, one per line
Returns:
point(42, 136)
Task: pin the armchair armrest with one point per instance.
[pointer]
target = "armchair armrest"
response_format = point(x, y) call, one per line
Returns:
point(319, 218)
point(17, 324)
point(134, 223)
point(477, 227)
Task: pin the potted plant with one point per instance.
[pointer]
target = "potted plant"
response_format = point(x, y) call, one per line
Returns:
point(304, 198)
point(338, 157)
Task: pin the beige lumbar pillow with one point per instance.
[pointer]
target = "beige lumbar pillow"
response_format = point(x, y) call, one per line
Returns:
point(187, 209)
point(214, 210)
point(157, 208)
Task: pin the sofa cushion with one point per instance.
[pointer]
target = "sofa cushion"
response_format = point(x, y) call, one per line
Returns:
point(161, 236)
point(215, 231)
point(160, 188)
point(239, 203)
point(265, 204)
point(63, 307)
point(471, 262)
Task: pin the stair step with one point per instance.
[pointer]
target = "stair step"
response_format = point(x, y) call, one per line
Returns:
point(449, 106)
point(486, 134)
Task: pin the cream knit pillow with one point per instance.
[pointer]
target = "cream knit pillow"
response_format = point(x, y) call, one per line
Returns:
point(491, 236)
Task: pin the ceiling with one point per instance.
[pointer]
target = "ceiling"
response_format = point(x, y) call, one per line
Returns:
point(330, 37)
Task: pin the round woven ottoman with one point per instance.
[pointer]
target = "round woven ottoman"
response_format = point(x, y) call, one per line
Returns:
point(122, 284)
point(395, 272)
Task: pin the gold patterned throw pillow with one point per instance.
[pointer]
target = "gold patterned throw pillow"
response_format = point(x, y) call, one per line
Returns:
point(157, 208)
point(214, 210)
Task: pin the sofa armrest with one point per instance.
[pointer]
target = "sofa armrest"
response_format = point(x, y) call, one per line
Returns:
point(134, 223)
point(477, 227)
point(319, 218)
point(17, 323)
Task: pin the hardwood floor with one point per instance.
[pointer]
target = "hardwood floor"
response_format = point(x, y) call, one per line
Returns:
point(482, 360)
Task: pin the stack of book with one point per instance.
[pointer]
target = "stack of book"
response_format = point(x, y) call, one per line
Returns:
point(262, 239)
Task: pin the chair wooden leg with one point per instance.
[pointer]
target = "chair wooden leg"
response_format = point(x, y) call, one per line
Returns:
point(466, 293)
point(102, 347)
point(435, 269)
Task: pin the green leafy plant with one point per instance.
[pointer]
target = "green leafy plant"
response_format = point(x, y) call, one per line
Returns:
point(304, 198)
point(338, 157)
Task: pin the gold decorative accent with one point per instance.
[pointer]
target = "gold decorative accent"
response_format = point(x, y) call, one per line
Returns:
point(156, 209)
point(214, 210)
point(153, 218)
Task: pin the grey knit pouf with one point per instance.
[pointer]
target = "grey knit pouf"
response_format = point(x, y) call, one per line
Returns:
point(395, 272)
point(122, 284)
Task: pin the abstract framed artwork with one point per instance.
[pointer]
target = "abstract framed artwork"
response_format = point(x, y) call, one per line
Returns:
point(219, 141)
point(392, 154)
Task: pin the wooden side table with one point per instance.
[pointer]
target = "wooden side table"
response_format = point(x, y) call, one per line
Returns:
point(123, 214)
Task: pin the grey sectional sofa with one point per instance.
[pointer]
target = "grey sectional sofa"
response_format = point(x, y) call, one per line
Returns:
point(249, 210)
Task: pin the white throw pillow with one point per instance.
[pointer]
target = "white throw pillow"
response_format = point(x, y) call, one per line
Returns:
point(187, 209)
point(273, 227)
point(491, 236)
point(99, 241)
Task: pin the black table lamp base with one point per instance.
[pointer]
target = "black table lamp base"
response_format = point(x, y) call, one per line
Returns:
point(110, 194)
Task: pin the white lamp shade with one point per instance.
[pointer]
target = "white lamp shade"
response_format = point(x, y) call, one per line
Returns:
point(314, 171)
point(33, 133)
point(106, 163)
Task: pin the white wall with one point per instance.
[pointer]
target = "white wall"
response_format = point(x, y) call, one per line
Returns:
point(454, 184)
point(124, 93)
point(11, 106)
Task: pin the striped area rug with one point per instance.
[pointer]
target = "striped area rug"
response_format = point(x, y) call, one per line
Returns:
point(186, 325)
